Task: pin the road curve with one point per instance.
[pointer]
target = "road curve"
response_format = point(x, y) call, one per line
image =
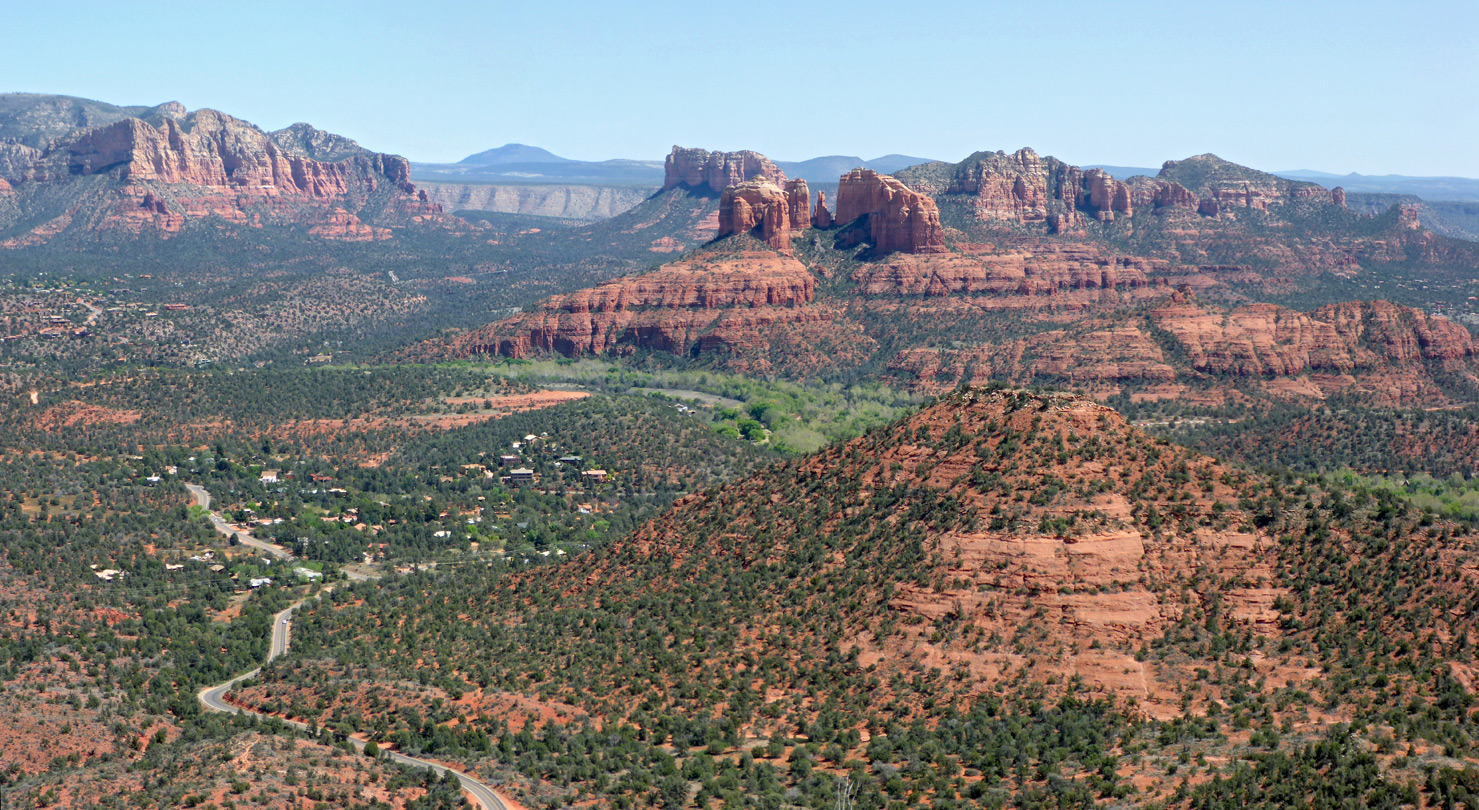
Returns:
point(203, 498)
point(213, 699)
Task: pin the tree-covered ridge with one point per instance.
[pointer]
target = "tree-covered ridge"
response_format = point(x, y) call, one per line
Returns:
point(874, 586)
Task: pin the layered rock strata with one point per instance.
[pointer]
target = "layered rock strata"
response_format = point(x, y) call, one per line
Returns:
point(1374, 351)
point(716, 171)
point(758, 206)
point(1024, 188)
point(896, 217)
point(735, 304)
point(183, 167)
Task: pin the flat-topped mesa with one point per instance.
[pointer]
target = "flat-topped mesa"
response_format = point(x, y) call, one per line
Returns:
point(898, 217)
point(716, 171)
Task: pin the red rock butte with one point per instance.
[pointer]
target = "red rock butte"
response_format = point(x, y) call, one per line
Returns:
point(716, 171)
point(898, 218)
point(761, 205)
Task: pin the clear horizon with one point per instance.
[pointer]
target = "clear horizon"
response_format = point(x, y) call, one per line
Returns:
point(1334, 87)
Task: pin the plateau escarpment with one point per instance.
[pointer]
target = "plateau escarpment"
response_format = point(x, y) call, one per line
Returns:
point(160, 173)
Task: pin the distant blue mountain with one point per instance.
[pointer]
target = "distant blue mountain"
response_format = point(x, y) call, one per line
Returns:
point(1463, 189)
point(1459, 189)
point(825, 170)
point(513, 153)
point(1125, 172)
point(517, 163)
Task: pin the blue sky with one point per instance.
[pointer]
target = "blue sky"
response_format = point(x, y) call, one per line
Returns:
point(1336, 86)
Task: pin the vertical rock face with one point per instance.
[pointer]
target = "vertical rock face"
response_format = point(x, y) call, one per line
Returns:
point(1014, 187)
point(1337, 197)
point(1026, 188)
point(820, 216)
point(1105, 196)
point(798, 200)
point(176, 167)
point(898, 218)
point(210, 148)
point(716, 171)
point(762, 205)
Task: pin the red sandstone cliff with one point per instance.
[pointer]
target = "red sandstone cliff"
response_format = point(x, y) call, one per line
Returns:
point(1373, 351)
point(757, 205)
point(897, 217)
point(1024, 187)
point(764, 207)
point(208, 163)
point(716, 171)
point(740, 305)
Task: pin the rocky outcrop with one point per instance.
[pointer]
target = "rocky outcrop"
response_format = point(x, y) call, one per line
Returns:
point(1337, 197)
point(1230, 186)
point(1025, 188)
point(798, 201)
point(820, 216)
point(309, 141)
point(897, 217)
point(716, 171)
point(1020, 187)
point(1105, 195)
point(758, 206)
point(214, 150)
point(1403, 335)
point(1372, 352)
point(741, 306)
point(173, 168)
point(1049, 274)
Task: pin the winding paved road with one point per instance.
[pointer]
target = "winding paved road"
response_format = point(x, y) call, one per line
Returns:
point(213, 698)
point(203, 498)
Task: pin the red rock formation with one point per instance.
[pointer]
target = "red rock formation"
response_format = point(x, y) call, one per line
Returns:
point(1401, 334)
point(1145, 192)
point(716, 171)
point(758, 204)
point(1025, 188)
point(212, 149)
point(1016, 187)
point(898, 218)
point(153, 204)
point(740, 305)
point(798, 200)
point(1106, 196)
point(210, 164)
point(1374, 352)
point(820, 216)
point(1337, 197)
point(1051, 271)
